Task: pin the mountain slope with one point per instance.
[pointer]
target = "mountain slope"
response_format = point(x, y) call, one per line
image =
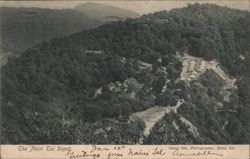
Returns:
point(86, 82)
point(22, 28)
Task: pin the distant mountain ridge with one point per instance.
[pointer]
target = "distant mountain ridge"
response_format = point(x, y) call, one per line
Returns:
point(23, 27)
point(100, 11)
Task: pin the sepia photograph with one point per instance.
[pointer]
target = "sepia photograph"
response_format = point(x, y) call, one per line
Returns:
point(125, 72)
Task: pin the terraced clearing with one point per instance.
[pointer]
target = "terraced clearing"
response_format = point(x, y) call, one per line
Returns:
point(152, 115)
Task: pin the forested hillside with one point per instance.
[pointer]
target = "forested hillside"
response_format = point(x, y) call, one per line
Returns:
point(82, 88)
point(21, 28)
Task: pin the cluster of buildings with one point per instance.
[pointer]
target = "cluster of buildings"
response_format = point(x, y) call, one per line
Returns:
point(193, 67)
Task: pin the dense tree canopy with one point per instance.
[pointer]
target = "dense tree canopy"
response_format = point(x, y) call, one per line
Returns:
point(57, 82)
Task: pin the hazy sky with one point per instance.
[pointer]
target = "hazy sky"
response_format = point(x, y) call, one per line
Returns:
point(141, 6)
